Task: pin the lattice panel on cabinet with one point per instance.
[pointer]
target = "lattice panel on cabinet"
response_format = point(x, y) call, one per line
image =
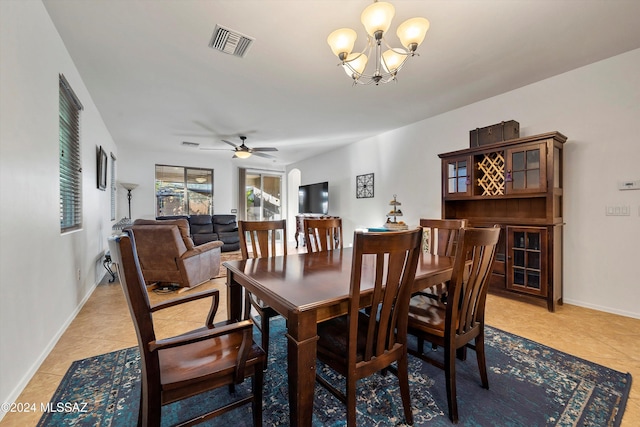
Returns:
point(492, 174)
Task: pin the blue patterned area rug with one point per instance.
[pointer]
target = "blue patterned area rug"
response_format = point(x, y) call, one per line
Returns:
point(530, 385)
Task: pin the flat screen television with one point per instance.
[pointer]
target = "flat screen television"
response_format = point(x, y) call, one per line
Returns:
point(314, 198)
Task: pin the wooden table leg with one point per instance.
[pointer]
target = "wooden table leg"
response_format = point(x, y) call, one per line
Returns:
point(234, 298)
point(301, 356)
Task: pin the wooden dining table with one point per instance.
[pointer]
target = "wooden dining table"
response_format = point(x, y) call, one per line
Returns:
point(308, 288)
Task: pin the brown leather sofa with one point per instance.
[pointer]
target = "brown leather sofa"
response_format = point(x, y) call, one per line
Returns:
point(167, 253)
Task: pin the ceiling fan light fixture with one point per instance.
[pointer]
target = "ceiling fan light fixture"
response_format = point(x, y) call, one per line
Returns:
point(243, 154)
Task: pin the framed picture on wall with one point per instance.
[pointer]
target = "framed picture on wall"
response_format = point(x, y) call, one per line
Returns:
point(102, 169)
point(364, 186)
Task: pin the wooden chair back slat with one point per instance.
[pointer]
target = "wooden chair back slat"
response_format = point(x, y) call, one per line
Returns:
point(396, 256)
point(442, 234)
point(262, 237)
point(323, 234)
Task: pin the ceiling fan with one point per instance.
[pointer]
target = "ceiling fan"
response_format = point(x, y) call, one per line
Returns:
point(242, 151)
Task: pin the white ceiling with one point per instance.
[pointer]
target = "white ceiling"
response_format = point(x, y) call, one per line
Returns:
point(156, 82)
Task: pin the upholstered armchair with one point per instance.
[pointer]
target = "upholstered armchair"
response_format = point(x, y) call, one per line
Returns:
point(167, 253)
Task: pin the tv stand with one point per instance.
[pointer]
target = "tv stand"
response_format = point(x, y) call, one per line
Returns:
point(300, 224)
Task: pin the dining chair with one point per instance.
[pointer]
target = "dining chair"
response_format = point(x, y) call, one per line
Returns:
point(440, 237)
point(323, 234)
point(458, 323)
point(365, 342)
point(183, 366)
point(259, 239)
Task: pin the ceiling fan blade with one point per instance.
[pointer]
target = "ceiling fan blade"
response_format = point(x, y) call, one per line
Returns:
point(259, 154)
point(215, 149)
point(264, 149)
point(230, 143)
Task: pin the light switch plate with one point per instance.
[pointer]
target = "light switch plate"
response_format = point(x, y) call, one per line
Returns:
point(629, 185)
point(617, 210)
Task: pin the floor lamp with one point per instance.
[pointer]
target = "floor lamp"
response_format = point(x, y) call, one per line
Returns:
point(128, 186)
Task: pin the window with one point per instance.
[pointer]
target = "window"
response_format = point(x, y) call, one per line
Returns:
point(113, 187)
point(69, 156)
point(183, 191)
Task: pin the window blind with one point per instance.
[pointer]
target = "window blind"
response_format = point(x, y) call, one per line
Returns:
point(69, 156)
point(113, 187)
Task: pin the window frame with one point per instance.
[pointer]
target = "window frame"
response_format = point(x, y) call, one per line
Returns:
point(182, 190)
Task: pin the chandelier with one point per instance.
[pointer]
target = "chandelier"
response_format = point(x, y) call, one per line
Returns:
point(376, 19)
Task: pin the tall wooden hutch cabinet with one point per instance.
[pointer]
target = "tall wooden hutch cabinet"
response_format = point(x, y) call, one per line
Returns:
point(518, 185)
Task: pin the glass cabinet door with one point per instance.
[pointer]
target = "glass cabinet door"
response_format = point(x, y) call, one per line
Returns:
point(526, 169)
point(457, 180)
point(526, 267)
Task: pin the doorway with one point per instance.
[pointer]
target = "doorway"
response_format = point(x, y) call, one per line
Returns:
point(263, 192)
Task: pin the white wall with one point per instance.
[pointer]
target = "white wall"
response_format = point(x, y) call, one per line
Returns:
point(597, 107)
point(39, 288)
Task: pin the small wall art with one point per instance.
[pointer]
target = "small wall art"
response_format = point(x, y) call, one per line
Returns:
point(364, 186)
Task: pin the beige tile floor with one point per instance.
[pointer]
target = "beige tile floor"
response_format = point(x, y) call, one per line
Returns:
point(104, 325)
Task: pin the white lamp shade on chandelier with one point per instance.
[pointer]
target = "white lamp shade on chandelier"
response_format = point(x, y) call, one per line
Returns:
point(376, 19)
point(357, 62)
point(342, 40)
point(412, 32)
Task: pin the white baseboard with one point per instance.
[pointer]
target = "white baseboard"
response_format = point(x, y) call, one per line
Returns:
point(634, 315)
point(13, 396)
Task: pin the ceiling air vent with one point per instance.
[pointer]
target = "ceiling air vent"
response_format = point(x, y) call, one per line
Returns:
point(230, 41)
point(190, 144)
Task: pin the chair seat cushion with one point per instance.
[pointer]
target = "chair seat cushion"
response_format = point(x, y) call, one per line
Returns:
point(333, 337)
point(427, 314)
point(180, 365)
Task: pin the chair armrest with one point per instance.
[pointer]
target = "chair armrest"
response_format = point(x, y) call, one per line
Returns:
point(200, 335)
point(177, 301)
point(215, 293)
point(208, 246)
point(205, 247)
